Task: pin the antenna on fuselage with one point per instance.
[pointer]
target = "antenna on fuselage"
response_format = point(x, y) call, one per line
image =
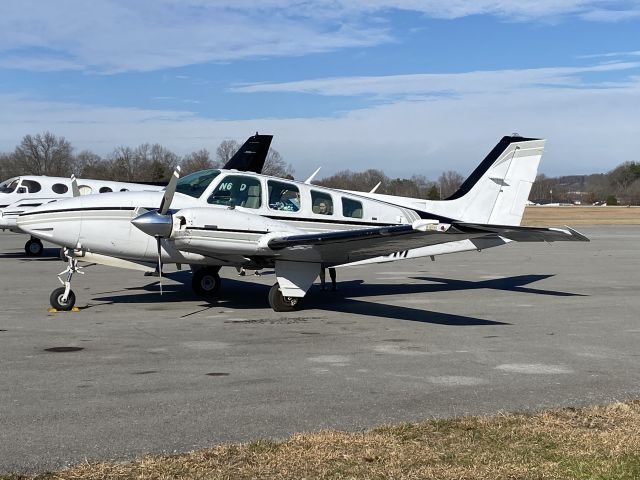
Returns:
point(310, 179)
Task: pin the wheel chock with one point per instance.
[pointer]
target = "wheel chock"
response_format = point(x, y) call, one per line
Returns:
point(55, 310)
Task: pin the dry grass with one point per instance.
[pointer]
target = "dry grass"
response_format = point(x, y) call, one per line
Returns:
point(588, 443)
point(577, 215)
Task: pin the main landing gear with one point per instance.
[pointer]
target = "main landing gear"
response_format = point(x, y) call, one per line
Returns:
point(206, 281)
point(63, 298)
point(280, 303)
point(33, 247)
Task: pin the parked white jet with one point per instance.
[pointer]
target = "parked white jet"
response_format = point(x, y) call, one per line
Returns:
point(19, 194)
point(221, 218)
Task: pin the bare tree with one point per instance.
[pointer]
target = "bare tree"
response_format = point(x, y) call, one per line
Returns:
point(122, 164)
point(44, 154)
point(89, 165)
point(226, 150)
point(275, 165)
point(449, 182)
point(196, 161)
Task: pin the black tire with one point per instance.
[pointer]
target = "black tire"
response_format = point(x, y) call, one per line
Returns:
point(280, 303)
point(62, 255)
point(206, 282)
point(56, 300)
point(33, 248)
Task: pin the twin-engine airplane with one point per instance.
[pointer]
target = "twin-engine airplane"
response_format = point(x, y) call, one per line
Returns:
point(20, 194)
point(217, 218)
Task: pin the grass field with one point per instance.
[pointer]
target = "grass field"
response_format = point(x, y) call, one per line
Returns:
point(578, 215)
point(587, 443)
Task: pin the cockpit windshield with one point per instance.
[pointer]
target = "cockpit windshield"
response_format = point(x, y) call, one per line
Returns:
point(196, 183)
point(9, 186)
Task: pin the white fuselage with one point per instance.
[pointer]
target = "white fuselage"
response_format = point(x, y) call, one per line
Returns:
point(102, 223)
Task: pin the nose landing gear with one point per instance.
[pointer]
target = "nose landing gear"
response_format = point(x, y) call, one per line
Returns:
point(63, 298)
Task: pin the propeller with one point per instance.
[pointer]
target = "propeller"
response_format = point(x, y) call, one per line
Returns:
point(74, 186)
point(158, 223)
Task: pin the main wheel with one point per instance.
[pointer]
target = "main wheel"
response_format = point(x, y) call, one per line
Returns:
point(33, 247)
point(56, 299)
point(280, 303)
point(206, 282)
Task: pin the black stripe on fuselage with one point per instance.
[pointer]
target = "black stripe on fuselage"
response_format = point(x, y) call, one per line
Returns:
point(85, 209)
point(210, 228)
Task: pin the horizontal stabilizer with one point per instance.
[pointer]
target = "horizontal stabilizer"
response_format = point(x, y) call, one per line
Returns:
point(526, 234)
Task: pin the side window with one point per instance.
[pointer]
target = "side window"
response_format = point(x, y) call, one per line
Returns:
point(283, 196)
point(105, 190)
point(32, 186)
point(124, 190)
point(351, 208)
point(321, 203)
point(85, 190)
point(59, 188)
point(237, 190)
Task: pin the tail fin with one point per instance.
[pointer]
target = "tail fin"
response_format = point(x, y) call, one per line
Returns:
point(497, 190)
point(251, 155)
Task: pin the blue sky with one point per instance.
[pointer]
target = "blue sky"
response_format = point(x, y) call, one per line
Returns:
point(407, 86)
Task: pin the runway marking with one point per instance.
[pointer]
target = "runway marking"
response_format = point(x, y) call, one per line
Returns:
point(534, 368)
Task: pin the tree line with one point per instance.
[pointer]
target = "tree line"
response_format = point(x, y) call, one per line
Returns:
point(619, 186)
point(49, 154)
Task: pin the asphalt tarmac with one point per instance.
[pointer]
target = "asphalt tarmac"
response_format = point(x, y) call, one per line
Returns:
point(520, 327)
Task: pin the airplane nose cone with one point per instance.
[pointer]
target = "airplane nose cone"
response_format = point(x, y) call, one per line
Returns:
point(154, 224)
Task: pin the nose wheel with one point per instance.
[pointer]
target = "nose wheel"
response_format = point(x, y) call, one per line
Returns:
point(60, 301)
point(63, 298)
point(206, 282)
point(280, 303)
point(33, 247)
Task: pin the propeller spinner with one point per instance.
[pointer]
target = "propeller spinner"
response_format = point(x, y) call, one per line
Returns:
point(158, 223)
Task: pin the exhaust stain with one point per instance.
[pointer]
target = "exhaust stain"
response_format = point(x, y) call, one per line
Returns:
point(63, 349)
point(217, 374)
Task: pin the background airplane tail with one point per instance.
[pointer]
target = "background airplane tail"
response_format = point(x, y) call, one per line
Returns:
point(498, 189)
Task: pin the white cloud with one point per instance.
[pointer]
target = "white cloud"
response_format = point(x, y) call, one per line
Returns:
point(590, 129)
point(495, 81)
point(118, 35)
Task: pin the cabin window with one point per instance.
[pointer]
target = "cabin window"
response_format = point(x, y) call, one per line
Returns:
point(321, 203)
point(351, 208)
point(31, 185)
point(85, 190)
point(59, 188)
point(124, 190)
point(237, 191)
point(283, 196)
point(9, 186)
point(105, 190)
point(196, 183)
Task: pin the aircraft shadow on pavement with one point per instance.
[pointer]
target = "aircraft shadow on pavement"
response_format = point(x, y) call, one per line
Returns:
point(48, 255)
point(244, 294)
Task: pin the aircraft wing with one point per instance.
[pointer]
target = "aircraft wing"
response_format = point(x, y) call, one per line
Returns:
point(371, 242)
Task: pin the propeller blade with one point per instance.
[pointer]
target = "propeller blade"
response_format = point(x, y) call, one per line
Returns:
point(74, 186)
point(169, 191)
point(158, 240)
